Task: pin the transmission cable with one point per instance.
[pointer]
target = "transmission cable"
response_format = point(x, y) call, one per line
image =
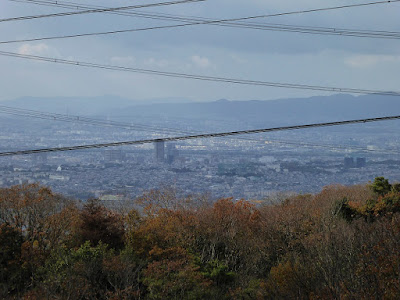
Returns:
point(82, 119)
point(200, 136)
point(147, 128)
point(226, 22)
point(393, 35)
point(98, 10)
point(78, 6)
point(206, 21)
point(200, 77)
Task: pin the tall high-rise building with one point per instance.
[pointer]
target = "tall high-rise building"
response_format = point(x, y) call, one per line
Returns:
point(361, 162)
point(349, 162)
point(172, 153)
point(159, 151)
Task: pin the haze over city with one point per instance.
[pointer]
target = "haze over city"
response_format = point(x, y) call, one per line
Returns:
point(199, 149)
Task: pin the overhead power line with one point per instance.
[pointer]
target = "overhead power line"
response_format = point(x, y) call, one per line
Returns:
point(332, 147)
point(200, 77)
point(78, 6)
point(147, 128)
point(224, 22)
point(206, 21)
point(199, 136)
point(98, 10)
point(82, 119)
point(393, 35)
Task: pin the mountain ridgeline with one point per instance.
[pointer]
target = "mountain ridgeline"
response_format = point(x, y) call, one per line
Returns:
point(254, 113)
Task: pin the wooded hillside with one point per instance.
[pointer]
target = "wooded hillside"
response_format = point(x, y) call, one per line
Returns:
point(341, 243)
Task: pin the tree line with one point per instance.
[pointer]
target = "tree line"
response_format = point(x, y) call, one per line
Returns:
point(342, 243)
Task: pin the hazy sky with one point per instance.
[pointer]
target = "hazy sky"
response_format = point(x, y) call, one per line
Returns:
point(207, 50)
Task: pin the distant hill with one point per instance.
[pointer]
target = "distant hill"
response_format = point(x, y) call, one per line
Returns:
point(284, 111)
point(70, 105)
point(82, 105)
point(257, 113)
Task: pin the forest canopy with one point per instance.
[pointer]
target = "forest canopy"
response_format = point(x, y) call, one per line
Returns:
point(343, 242)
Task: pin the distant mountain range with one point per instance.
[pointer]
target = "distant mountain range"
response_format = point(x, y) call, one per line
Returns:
point(254, 112)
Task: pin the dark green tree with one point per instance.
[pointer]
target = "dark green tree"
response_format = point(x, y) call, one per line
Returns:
point(381, 186)
point(12, 275)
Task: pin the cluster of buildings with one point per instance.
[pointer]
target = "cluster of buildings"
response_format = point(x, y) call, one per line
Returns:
point(216, 167)
point(164, 154)
point(116, 174)
point(351, 162)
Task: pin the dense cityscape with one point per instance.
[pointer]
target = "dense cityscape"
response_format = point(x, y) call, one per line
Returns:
point(258, 168)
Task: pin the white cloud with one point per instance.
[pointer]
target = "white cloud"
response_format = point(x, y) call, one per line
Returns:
point(201, 62)
point(28, 49)
point(160, 63)
point(39, 49)
point(123, 60)
point(365, 61)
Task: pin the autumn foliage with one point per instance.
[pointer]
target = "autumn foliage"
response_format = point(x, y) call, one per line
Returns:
point(343, 243)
